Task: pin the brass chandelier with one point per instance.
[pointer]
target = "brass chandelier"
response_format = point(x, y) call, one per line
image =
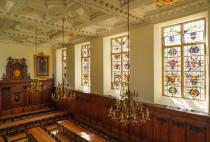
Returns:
point(127, 110)
point(36, 85)
point(63, 91)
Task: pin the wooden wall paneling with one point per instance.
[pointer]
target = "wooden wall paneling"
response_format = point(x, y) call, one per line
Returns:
point(16, 98)
point(25, 97)
point(161, 128)
point(107, 122)
point(86, 110)
point(135, 133)
point(147, 129)
point(125, 132)
point(166, 124)
point(93, 113)
point(77, 110)
point(197, 132)
point(36, 98)
point(177, 130)
point(208, 135)
point(0, 103)
point(6, 100)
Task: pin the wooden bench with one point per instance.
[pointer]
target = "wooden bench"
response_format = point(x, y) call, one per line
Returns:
point(40, 135)
point(24, 113)
point(1, 139)
point(15, 117)
point(83, 133)
point(29, 120)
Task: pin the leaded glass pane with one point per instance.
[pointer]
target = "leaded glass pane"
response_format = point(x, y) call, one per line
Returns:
point(116, 66)
point(125, 66)
point(184, 61)
point(194, 31)
point(116, 57)
point(172, 71)
point(85, 65)
point(120, 62)
point(194, 70)
point(125, 44)
point(64, 64)
point(172, 35)
point(116, 45)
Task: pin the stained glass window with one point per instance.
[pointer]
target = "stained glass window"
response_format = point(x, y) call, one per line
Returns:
point(85, 65)
point(184, 60)
point(120, 62)
point(64, 65)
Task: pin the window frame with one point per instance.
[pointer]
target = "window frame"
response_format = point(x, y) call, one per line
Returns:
point(89, 65)
point(121, 53)
point(64, 62)
point(182, 45)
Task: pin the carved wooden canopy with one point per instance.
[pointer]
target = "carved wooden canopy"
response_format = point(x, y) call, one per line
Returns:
point(16, 69)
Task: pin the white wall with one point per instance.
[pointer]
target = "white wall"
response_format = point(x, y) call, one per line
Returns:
point(23, 51)
point(142, 63)
point(96, 48)
point(176, 102)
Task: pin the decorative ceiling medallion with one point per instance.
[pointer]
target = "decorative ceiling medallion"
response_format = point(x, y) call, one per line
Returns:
point(162, 3)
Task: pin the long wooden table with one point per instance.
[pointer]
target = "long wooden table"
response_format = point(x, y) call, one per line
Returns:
point(28, 120)
point(81, 132)
point(40, 135)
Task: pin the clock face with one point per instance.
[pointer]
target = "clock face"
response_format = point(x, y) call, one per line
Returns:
point(17, 72)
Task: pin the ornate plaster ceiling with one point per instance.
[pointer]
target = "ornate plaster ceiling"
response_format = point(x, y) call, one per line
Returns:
point(82, 18)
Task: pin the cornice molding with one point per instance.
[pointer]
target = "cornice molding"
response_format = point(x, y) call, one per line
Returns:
point(36, 22)
point(182, 9)
point(110, 9)
point(161, 15)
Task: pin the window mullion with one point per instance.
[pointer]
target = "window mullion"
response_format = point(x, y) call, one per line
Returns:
point(182, 62)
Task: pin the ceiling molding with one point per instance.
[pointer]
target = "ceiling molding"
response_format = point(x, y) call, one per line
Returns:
point(112, 10)
point(182, 9)
point(79, 40)
point(16, 34)
point(36, 22)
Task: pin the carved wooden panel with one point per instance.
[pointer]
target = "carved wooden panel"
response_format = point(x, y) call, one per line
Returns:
point(15, 97)
point(161, 129)
point(196, 132)
point(16, 69)
point(177, 131)
point(147, 133)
